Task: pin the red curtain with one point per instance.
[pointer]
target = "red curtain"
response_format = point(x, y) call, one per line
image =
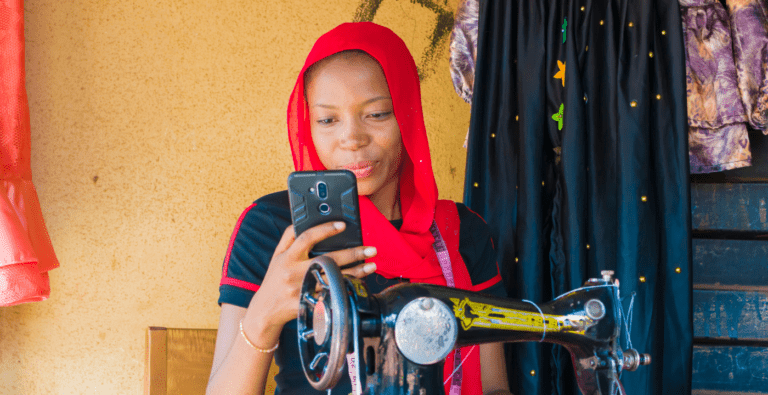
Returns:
point(26, 253)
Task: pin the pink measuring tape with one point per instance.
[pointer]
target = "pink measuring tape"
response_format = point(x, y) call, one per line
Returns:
point(445, 264)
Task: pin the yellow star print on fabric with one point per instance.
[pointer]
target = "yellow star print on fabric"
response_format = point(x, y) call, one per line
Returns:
point(559, 117)
point(561, 72)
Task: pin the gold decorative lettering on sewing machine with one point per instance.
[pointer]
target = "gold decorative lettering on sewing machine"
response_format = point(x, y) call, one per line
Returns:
point(481, 315)
point(360, 289)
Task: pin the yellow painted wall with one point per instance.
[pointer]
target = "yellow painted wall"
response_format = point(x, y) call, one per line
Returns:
point(154, 124)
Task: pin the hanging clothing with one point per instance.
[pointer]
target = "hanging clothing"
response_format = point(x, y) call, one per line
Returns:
point(727, 80)
point(578, 159)
point(717, 136)
point(749, 25)
point(26, 254)
point(463, 51)
point(718, 149)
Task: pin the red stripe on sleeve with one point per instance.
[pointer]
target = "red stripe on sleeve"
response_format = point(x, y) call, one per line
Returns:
point(486, 284)
point(239, 283)
point(232, 281)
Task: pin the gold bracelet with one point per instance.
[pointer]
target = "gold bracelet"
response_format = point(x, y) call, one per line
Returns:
point(261, 350)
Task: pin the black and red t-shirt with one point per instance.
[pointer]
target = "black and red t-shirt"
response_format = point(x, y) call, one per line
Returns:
point(255, 238)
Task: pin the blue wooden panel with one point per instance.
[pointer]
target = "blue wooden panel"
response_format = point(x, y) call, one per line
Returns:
point(730, 207)
point(730, 262)
point(730, 370)
point(739, 315)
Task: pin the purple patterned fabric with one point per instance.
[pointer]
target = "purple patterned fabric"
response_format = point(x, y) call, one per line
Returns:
point(727, 75)
point(749, 24)
point(718, 149)
point(464, 48)
point(713, 86)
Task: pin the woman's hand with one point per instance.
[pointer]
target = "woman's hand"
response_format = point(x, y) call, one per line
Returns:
point(277, 300)
point(237, 367)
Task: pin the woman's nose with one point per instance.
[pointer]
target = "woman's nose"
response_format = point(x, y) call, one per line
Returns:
point(354, 135)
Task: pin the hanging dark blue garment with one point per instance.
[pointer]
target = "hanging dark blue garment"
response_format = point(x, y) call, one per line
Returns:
point(578, 159)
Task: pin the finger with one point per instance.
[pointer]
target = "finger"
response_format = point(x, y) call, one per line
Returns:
point(315, 234)
point(352, 255)
point(289, 236)
point(360, 270)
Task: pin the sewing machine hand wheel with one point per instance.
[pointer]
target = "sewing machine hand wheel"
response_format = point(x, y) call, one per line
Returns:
point(323, 324)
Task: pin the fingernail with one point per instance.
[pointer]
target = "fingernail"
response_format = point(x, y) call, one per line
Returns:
point(339, 225)
point(370, 251)
point(369, 268)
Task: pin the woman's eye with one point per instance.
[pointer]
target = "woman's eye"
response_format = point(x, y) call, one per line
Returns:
point(381, 114)
point(325, 121)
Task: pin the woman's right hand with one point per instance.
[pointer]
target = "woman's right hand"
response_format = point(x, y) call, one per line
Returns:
point(277, 300)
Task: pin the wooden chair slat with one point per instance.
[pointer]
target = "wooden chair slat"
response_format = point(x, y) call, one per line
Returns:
point(155, 377)
point(190, 357)
point(178, 361)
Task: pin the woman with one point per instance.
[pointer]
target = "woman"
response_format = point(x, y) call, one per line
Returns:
point(343, 113)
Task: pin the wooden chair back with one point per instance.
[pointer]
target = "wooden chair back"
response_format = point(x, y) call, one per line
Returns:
point(178, 361)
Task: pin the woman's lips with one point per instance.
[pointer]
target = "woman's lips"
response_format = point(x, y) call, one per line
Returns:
point(361, 169)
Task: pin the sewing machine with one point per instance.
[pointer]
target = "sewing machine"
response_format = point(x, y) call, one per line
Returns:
point(418, 325)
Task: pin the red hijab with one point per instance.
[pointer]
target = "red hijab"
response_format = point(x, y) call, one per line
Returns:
point(409, 252)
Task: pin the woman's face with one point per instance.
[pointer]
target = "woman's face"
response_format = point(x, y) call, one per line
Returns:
point(353, 123)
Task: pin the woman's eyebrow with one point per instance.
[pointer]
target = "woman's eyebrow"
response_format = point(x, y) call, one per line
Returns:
point(377, 98)
point(369, 101)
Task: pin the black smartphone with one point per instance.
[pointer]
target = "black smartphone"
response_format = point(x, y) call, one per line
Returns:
point(323, 196)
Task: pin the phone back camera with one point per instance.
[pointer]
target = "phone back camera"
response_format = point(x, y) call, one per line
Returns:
point(322, 191)
point(324, 208)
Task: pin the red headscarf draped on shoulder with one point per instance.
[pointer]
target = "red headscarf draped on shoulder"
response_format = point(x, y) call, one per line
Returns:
point(408, 252)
